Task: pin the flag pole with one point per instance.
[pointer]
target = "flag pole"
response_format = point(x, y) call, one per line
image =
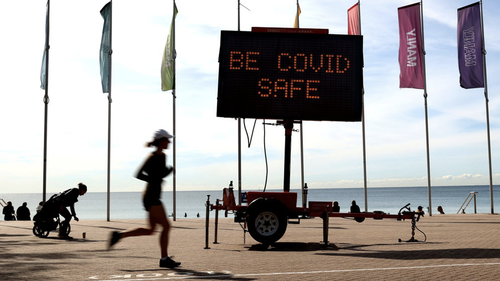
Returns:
point(46, 100)
point(174, 121)
point(304, 203)
point(363, 123)
point(168, 83)
point(426, 113)
point(486, 98)
point(239, 132)
point(352, 31)
point(109, 110)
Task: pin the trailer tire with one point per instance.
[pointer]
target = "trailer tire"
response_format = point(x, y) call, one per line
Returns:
point(267, 220)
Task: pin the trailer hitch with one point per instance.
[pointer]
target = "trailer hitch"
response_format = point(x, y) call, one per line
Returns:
point(415, 217)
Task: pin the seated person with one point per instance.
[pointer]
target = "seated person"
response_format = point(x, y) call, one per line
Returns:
point(336, 207)
point(8, 212)
point(354, 207)
point(23, 213)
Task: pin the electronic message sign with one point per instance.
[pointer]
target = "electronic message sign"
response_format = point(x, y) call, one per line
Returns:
point(290, 76)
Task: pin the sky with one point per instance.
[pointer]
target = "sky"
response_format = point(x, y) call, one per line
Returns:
point(207, 146)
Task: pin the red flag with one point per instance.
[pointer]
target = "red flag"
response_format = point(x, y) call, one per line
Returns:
point(353, 22)
point(411, 57)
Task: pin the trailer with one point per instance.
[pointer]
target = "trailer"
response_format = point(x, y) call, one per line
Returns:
point(267, 214)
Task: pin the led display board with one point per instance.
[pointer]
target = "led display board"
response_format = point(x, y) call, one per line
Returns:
point(290, 76)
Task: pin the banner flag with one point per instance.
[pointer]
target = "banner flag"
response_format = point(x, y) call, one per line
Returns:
point(410, 47)
point(105, 51)
point(353, 27)
point(169, 54)
point(469, 36)
point(296, 22)
point(43, 73)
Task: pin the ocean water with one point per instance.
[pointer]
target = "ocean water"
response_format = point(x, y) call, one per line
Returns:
point(128, 205)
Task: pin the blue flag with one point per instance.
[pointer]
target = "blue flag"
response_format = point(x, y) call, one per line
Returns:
point(105, 51)
point(470, 47)
point(43, 71)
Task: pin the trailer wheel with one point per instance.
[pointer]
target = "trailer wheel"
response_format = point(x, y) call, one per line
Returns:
point(267, 220)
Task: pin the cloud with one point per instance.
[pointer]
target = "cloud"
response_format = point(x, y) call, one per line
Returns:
point(463, 176)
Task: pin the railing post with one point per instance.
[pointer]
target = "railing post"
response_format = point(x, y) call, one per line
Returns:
point(475, 208)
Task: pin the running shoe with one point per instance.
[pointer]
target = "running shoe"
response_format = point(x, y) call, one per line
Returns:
point(115, 236)
point(168, 262)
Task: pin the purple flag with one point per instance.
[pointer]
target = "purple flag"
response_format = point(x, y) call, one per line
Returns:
point(469, 36)
point(411, 58)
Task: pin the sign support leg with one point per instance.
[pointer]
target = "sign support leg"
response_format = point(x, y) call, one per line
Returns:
point(288, 124)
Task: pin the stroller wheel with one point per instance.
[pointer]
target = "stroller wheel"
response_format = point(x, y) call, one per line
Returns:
point(64, 231)
point(38, 231)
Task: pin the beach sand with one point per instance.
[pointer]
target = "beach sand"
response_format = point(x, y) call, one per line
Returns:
point(458, 247)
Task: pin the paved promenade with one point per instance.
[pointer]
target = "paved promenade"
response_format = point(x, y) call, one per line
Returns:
point(458, 247)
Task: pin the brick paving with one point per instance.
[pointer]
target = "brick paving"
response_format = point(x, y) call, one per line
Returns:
point(458, 247)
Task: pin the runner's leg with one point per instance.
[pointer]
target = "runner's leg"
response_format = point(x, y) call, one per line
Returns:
point(157, 215)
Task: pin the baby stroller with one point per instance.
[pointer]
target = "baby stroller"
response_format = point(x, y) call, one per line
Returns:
point(48, 220)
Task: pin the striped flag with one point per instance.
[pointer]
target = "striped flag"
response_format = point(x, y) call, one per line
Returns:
point(410, 47)
point(105, 50)
point(470, 46)
point(353, 23)
point(168, 60)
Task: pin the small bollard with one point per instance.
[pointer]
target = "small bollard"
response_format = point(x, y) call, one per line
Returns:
point(207, 222)
point(216, 219)
point(84, 235)
point(304, 196)
point(326, 222)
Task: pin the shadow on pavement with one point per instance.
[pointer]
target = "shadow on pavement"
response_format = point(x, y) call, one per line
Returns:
point(463, 253)
point(293, 247)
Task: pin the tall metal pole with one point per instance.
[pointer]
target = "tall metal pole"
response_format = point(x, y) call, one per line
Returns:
point(426, 114)
point(239, 133)
point(174, 125)
point(483, 51)
point(353, 32)
point(304, 203)
point(288, 124)
point(175, 153)
point(46, 101)
point(109, 106)
point(363, 122)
